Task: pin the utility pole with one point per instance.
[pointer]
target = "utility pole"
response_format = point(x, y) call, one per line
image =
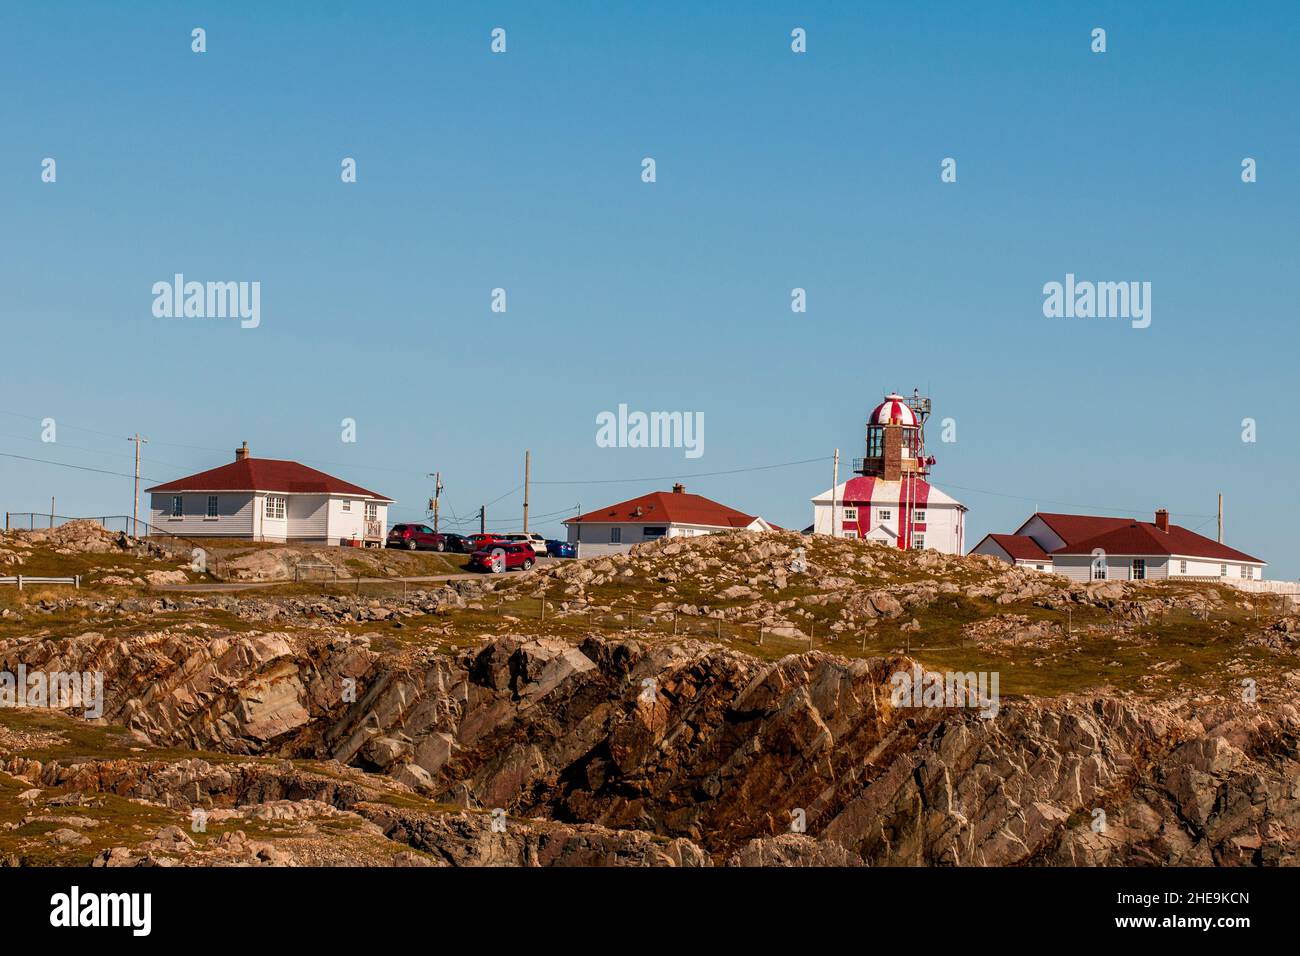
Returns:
point(437, 493)
point(835, 483)
point(482, 519)
point(1220, 517)
point(527, 466)
point(135, 507)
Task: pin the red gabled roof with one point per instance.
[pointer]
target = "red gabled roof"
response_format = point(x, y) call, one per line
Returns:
point(1143, 537)
point(267, 474)
point(663, 507)
point(1072, 528)
point(1021, 547)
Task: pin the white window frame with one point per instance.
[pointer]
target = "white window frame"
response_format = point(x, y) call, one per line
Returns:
point(850, 514)
point(884, 514)
point(850, 534)
point(214, 509)
point(372, 511)
point(275, 507)
point(1223, 570)
point(178, 508)
point(918, 541)
point(615, 535)
point(919, 516)
point(1138, 563)
point(347, 504)
point(1098, 570)
point(1182, 565)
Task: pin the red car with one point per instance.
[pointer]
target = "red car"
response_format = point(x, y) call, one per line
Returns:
point(502, 556)
point(480, 542)
point(416, 537)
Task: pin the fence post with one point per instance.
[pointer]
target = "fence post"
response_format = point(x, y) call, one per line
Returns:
point(76, 580)
point(543, 614)
point(20, 582)
point(674, 623)
point(760, 635)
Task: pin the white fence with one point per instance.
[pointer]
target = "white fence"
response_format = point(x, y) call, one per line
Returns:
point(22, 580)
point(1291, 588)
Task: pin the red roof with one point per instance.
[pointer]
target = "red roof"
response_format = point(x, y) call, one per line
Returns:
point(1143, 537)
point(267, 474)
point(1021, 547)
point(1073, 528)
point(665, 507)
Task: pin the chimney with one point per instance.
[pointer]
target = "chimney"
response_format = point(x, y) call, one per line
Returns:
point(241, 452)
point(893, 452)
point(679, 489)
point(1162, 520)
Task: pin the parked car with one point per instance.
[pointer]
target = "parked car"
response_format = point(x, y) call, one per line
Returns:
point(416, 537)
point(477, 542)
point(457, 542)
point(561, 549)
point(502, 556)
point(532, 538)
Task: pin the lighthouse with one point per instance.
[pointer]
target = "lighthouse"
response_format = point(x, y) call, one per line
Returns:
point(890, 499)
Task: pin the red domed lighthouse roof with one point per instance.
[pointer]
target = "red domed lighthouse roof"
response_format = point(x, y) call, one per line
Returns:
point(892, 409)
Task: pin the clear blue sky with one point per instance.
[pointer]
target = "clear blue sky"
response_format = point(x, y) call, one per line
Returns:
point(775, 170)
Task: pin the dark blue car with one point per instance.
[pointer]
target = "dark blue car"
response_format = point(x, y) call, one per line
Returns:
point(561, 549)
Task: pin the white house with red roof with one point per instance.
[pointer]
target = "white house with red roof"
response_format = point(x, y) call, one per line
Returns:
point(1094, 548)
point(890, 500)
point(266, 499)
point(660, 514)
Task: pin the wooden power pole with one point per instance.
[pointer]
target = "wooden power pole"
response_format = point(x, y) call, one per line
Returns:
point(1220, 517)
point(835, 483)
point(135, 507)
point(482, 519)
point(433, 502)
point(527, 465)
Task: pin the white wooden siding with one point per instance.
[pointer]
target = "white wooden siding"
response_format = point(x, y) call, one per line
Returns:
point(234, 518)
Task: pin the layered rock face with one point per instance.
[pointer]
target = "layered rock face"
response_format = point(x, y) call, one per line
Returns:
point(685, 753)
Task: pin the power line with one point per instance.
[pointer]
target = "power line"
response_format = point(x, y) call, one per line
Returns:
point(701, 474)
point(1069, 504)
point(64, 464)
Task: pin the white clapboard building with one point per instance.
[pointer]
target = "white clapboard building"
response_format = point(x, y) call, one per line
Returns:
point(267, 499)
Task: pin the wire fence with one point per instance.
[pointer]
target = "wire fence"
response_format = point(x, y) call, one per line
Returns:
point(628, 616)
point(202, 559)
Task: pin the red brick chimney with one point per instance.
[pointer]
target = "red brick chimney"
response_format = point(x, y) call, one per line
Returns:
point(241, 452)
point(893, 452)
point(1162, 520)
point(679, 489)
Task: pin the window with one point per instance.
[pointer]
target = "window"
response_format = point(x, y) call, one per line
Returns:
point(1182, 567)
point(919, 516)
point(372, 511)
point(918, 542)
point(178, 506)
point(1139, 569)
point(1223, 570)
point(1245, 571)
point(615, 535)
point(274, 506)
point(212, 507)
point(1040, 567)
point(850, 514)
point(884, 514)
point(1099, 569)
point(653, 532)
point(347, 504)
point(850, 534)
